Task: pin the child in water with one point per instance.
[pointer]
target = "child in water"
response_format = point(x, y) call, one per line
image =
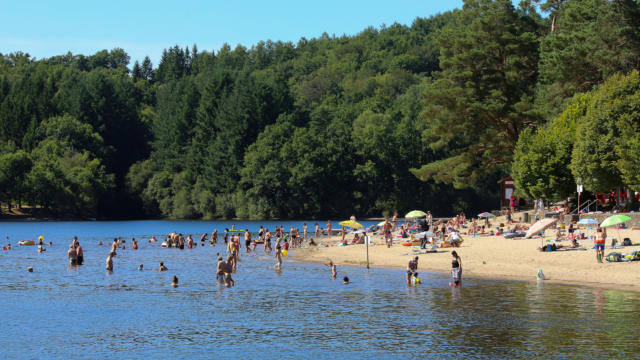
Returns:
point(334, 270)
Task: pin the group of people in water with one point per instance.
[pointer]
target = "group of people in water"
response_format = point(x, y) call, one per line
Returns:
point(227, 265)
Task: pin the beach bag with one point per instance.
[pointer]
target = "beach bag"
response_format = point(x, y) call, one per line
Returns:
point(614, 257)
point(626, 242)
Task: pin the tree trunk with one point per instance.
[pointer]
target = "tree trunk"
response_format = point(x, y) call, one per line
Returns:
point(553, 24)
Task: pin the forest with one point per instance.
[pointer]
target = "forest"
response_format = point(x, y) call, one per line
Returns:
point(423, 116)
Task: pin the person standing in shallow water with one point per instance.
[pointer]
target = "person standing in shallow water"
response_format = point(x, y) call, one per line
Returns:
point(73, 259)
point(79, 254)
point(456, 269)
point(109, 262)
point(278, 256)
point(334, 270)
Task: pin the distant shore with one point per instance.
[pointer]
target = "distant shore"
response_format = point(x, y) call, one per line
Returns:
point(494, 257)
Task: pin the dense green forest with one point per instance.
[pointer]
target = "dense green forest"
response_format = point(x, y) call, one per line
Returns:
point(426, 116)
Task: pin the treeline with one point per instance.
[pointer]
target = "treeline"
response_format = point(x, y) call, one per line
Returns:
point(324, 127)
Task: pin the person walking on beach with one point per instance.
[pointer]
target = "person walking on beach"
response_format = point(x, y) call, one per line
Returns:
point(329, 228)
point(386, 230)
point(317, 231)
point(601, 236)
point(412, 269)
point(395, 221)
point(456, 269)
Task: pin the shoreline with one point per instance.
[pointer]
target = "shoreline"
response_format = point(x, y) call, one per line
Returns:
point(493, 258)
point(474, 275)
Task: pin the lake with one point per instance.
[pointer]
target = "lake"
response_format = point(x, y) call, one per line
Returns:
point(298, 312)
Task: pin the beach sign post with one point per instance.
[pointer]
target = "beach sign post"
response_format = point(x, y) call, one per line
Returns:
point(366, 241)
point(579, 189)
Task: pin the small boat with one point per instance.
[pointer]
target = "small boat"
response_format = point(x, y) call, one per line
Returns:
point(26, 242)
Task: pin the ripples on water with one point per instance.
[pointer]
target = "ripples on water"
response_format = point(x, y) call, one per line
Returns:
point(57, 312)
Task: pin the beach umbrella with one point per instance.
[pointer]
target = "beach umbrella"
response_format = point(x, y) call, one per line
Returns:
point(539, 226)
point(615, 220)
point(381, 223)
point(351, 224)
point(415, 214)
point(485, 215)
point(587, 221)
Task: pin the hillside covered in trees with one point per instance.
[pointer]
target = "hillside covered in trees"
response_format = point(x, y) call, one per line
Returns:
point(425, 116)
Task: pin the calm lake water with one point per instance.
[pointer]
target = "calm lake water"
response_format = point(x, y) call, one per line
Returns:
point(298, 312)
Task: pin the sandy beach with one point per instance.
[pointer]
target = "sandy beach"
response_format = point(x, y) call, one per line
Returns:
point(495, 257)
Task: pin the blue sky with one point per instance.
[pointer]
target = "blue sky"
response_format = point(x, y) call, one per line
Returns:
point(45, 28)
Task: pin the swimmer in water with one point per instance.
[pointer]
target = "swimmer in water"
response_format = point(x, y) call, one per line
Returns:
point(30, 269)
point(153, 239)
point(345, 280)
point(175, 281)
point(140, 267)
point(162, 267)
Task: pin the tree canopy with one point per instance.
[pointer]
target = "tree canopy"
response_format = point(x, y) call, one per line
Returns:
point(396, 118)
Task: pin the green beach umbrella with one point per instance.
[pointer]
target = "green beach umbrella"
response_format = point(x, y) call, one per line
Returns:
point(615, 220)
point(415, 214)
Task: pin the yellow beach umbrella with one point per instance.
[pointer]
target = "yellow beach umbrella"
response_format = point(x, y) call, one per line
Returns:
point(351, 224)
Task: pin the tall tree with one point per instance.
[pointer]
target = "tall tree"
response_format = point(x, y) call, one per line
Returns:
point(481, 101)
